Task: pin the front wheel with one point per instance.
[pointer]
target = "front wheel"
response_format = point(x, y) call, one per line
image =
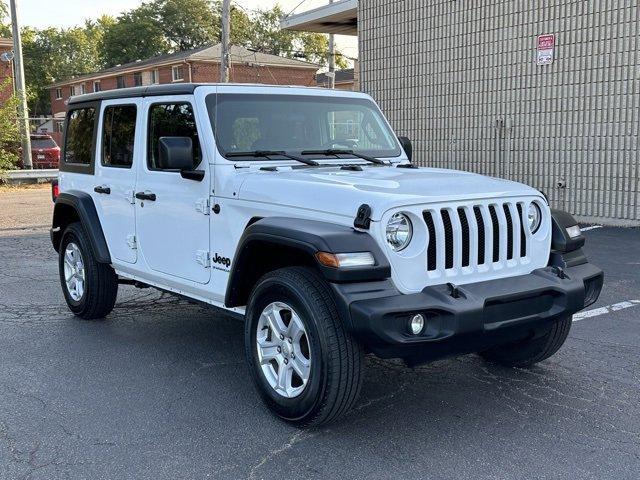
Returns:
point(532, 351)
point(90, 288)
point(306, 367)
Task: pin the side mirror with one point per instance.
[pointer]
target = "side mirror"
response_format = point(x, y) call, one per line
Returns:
point(406, 146)
point(175, 153)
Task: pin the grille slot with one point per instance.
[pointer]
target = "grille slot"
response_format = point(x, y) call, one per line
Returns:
point(481, 244)
point(496, 233)
point(448, 239)
point(507, 213)
point(464, 225)
point(523, 237)
point(431, 249)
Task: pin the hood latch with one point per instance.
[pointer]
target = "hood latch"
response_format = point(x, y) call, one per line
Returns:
point(363, 217)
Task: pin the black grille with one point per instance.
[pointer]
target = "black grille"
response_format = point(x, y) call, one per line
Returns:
point(481, 245)
point(431, 249)
point(496, 233)
point(523, 237)
point(507, 213)
point(448, 239)
point(464, 224)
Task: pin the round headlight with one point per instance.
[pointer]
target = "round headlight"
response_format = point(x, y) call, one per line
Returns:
point(534, 217)
point(399, 232)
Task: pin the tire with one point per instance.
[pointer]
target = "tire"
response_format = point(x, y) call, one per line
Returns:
point(96, 298)
point(528, 353)
point(335, 357)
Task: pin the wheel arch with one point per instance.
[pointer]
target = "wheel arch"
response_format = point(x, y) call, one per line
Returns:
point(276, 242)
point(77, 206)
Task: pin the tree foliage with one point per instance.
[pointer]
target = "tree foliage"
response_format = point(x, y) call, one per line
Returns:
point(154, 28)
point(9, 131)
point(5, 28)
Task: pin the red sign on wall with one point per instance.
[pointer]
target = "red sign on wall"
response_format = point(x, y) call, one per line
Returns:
point(546, 47)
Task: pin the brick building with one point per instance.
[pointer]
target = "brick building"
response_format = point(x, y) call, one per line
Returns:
point(199, 66)
point(6, 70)
point(545, 93)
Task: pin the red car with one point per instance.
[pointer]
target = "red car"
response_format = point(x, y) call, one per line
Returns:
point(45, 152)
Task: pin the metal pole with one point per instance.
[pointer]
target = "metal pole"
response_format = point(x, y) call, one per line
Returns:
point(23, 112)
point(225, 44)
point(332, 59)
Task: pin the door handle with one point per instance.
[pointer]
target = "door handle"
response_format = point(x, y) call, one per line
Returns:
point(103, 190)
point(146, 196)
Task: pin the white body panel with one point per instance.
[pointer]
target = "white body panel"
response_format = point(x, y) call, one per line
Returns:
point(171, 231)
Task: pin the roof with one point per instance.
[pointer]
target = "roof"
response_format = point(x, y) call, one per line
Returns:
point(210, 53)
point(342, 76)
point(6, 42)
point(339, 17)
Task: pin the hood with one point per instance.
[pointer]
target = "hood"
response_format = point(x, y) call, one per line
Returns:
point(330, 189)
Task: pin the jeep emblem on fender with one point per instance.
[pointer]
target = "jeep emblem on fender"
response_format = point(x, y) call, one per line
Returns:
point(221, 260)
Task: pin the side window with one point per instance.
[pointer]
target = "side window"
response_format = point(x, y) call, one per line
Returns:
point(118, 135)
point(79, 139)
point(171, 120)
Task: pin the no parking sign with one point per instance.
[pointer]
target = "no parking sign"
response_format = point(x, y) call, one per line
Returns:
point(546, 47)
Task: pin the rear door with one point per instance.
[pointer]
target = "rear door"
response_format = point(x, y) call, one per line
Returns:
point(172, 212)
point(118, 151)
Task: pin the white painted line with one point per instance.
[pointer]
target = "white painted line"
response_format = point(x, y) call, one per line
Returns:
point(592, 227)
point(608, 309)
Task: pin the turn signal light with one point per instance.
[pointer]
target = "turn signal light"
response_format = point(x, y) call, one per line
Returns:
point(346, 260)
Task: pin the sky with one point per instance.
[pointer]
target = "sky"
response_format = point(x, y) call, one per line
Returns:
point(67, 13)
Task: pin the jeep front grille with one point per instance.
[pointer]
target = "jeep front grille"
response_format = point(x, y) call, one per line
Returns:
point(470, 237)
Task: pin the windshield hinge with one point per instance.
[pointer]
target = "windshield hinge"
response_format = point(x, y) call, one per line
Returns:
point(363, 217)
point(203, 206)
point(203, 257)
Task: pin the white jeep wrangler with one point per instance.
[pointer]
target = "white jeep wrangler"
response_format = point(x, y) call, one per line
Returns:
point(299, 210)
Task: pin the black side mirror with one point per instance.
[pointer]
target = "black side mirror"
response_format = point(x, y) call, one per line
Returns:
point(406, 146)
point(175, 153)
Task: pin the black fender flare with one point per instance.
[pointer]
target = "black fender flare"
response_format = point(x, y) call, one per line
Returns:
point(307, 237)
point(85, 209)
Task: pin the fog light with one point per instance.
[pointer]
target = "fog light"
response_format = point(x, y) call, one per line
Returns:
point(417, 324)
point(574, 231)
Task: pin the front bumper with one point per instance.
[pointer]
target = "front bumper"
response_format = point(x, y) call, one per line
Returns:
point(476, 317)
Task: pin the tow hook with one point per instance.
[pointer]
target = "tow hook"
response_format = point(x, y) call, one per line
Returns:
point(453, 290)
point(560, 272)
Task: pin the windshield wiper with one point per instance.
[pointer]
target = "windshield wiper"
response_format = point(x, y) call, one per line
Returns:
point(338, 152)
point(272, 153)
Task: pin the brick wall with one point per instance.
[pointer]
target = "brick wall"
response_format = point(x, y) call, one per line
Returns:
point(5, 73)
point(461, 79)
point(201, 72)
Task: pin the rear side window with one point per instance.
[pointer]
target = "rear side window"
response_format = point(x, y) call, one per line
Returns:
point(171, 120)
point(118, 135)
point(79, 140)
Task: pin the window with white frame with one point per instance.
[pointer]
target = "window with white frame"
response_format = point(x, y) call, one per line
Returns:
point(155, 78)
point(97, 86)
point(82, 90)
point(177, 73)
point(58, 94)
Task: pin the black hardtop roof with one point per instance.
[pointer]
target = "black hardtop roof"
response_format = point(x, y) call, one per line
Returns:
point(149, 91)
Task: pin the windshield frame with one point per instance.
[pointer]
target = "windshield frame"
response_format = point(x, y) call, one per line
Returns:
point(212, 103)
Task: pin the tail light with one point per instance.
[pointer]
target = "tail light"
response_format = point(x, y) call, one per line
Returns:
point(55, 190)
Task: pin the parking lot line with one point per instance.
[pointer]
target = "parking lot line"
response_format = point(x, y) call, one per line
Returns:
point(592, 227)
point(607, 309)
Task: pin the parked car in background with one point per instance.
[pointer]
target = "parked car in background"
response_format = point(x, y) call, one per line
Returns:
point(45, 152)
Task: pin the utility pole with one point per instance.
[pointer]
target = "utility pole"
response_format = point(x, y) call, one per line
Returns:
point(225, 56)
point(23, 111)
point(332, 60)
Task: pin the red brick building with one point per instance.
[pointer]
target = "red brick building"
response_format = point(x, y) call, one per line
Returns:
point(198, 66)
point(6, 70)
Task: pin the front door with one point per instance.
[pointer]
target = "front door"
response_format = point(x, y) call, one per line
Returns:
point(172, 216)
point(118, 151)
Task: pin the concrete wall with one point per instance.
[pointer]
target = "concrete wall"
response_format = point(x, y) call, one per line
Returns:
point(461, 79)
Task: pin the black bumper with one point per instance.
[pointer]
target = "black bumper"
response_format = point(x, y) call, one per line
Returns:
point(476, 317)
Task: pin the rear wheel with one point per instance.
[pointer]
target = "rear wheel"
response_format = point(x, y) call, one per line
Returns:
point(90, 288)
point(530, 352)
point(306, 367)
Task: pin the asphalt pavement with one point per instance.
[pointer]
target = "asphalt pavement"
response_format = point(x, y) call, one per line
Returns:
point(160, 390)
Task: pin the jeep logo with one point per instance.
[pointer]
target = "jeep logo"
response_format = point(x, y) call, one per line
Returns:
point(221, 260)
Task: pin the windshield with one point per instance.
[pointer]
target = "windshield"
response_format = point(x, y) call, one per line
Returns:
point(297, 123)
point(43, 142)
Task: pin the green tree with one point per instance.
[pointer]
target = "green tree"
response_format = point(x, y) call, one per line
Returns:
point(134, 35)
point(5, 28)
point(9, 132)
point(188, 24)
